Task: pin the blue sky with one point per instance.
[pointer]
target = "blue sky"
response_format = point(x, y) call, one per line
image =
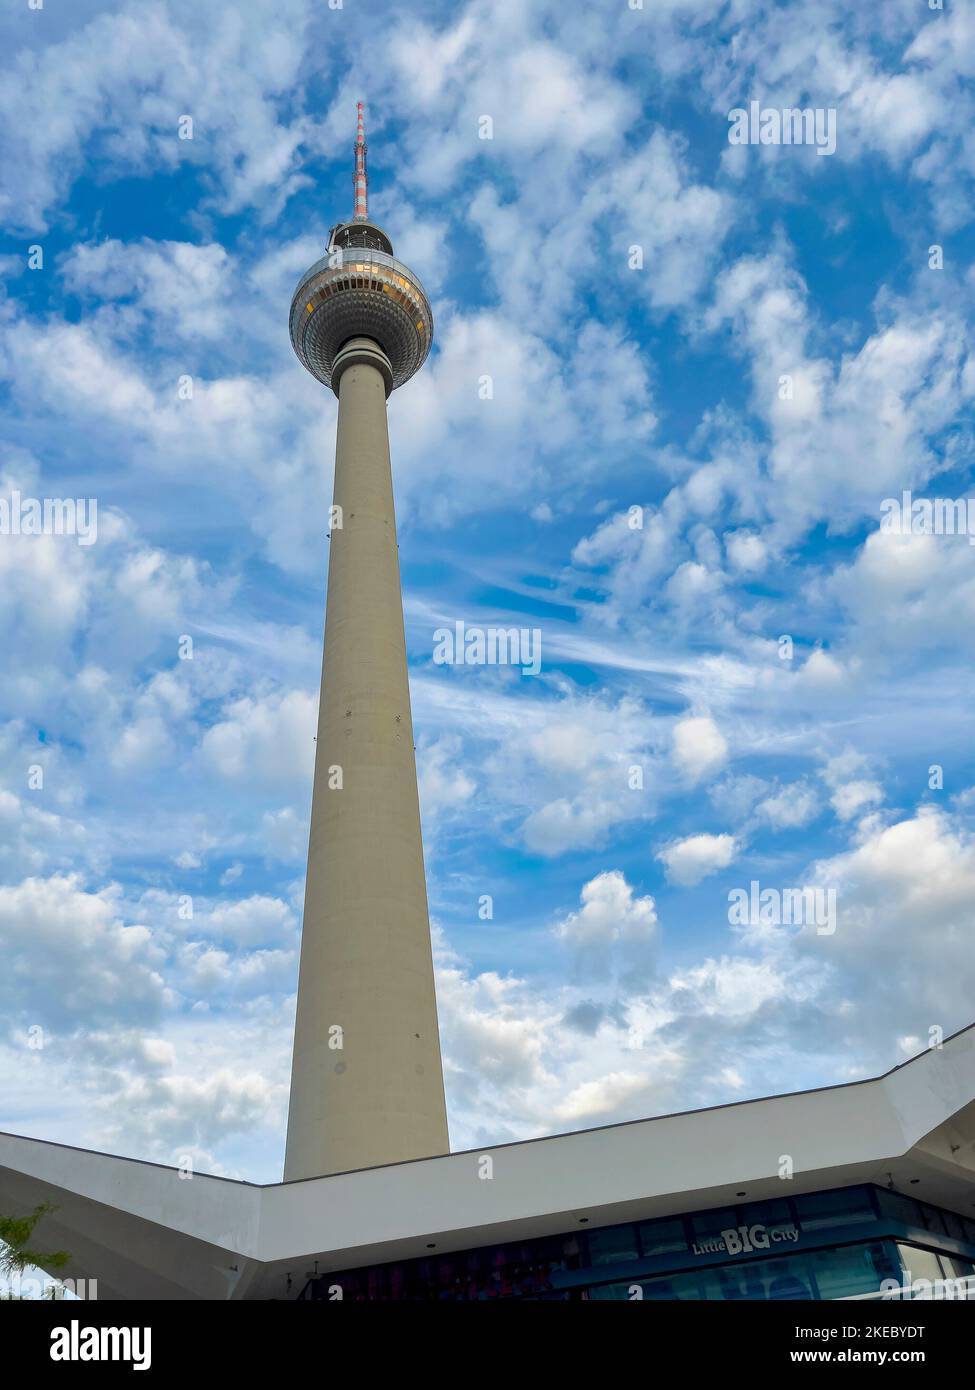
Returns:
point(609, 982)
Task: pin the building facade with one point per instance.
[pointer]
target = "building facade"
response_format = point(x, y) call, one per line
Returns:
point(844, 1243)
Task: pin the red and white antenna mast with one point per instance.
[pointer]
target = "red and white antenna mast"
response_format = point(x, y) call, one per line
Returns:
point(361, 209)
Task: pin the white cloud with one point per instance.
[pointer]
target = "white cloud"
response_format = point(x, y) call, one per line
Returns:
point(845, 435)
point(853, 797)
point(699, 747)
point(690, 860)
point(733, 988)
point(747, 552)
point(444, 783)
point(173, 288)
point(70, 960)
point(790, 807)
point(125, 78)
point(906, 592)
point(255, 921)
point(612, 934)
point(267, 739)
point(594, 1102)
point(594, 767)
point(851, 792)
point(904, 897)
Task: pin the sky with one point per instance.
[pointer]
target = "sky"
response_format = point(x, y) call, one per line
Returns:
point(674, 382)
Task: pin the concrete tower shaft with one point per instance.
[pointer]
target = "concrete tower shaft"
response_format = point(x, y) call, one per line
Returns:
point(366, 1081)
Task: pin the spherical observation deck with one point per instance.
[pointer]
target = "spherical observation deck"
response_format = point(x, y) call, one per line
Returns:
point(360, 290)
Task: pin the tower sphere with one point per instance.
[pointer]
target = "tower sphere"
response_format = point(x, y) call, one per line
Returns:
point(360, 290)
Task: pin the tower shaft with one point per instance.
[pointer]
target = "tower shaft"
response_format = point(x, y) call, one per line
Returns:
point(366, 975)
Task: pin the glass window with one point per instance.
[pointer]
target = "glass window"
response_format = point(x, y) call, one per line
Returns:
point(898, 1207)
point(853, 1269)
point(557, 1252)
point(774, 1216)
point(663, 1237)
point(940, 1270)
point(919, 1264)
point(511, 1271)
point(765, 1214)
point(528, 1270)
point(617, 1292)
point(931, 1219)
point(759, 1279)
point(711, 1223)
point(953, 1225)
point(571, 1252)
point(788, 1279)
point(957, 1267)
point(728, 1282)
point(613, 1244)
point(677, 1286)
point(849, 1206)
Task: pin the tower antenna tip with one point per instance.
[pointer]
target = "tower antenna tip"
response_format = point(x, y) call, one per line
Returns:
point(359, 178)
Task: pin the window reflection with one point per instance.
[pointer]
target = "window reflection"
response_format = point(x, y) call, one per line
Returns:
point(849, 1206)
point(711, 1223)
point(899, 1207)
point(555, 1267)
point(662, 1237)
point(854, 1269)
point(613, 1245)
point(763, 1279)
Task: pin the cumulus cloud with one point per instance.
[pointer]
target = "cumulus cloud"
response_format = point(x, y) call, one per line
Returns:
point(612, 934)
point(851, 792)
point(171, 288)
point(123, 78)
point(731, 988)
point(904, 896)
point(699, 747)
point(665, 517)
point(842, 435)
point(71, 959)
point(690, 860)
point(254, 921)
point(790, 807)
point(600, 757)
point(265, 739)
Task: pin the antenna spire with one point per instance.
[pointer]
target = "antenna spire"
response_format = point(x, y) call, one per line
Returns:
point(361, 209)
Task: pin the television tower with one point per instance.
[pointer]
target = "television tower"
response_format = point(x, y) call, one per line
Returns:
point(366, 1076)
